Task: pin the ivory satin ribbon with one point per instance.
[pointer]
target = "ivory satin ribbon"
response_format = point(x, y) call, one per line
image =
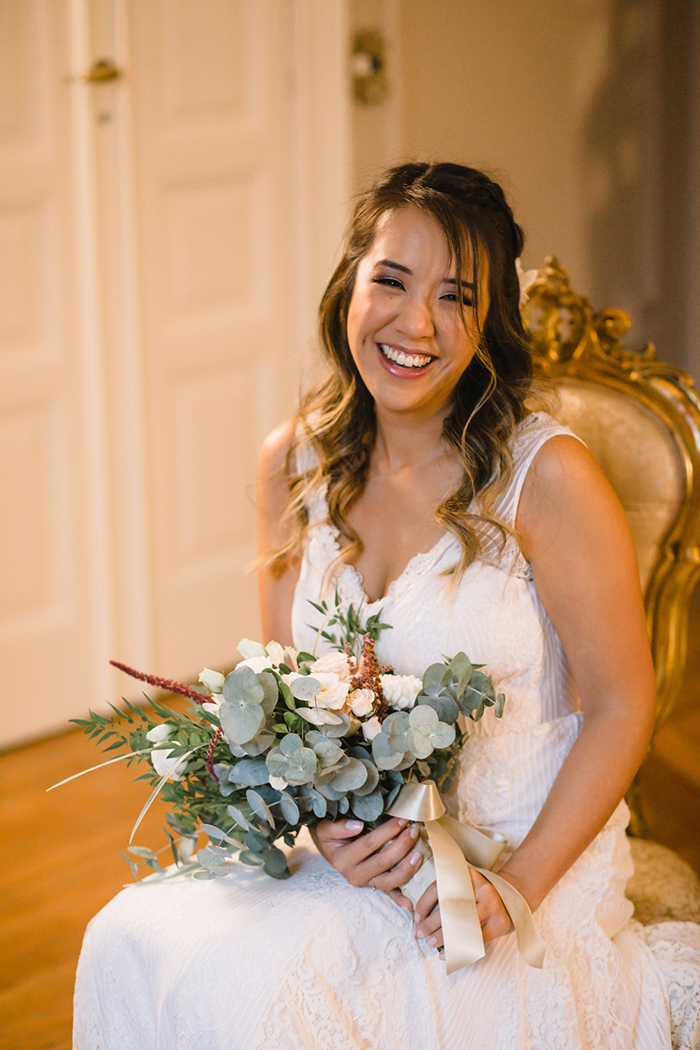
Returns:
point(457, 847)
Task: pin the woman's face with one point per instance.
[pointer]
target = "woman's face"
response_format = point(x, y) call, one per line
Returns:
point(404, 327)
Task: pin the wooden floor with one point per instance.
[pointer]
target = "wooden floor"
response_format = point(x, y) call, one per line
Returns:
point(61, 863)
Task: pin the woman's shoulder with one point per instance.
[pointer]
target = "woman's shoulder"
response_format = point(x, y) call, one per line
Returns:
point(276, 447)
point(534, 431)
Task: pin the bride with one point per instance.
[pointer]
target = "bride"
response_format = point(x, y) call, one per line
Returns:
point(417, 480)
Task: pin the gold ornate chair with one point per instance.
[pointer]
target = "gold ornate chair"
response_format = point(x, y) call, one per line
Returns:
point(641, 421)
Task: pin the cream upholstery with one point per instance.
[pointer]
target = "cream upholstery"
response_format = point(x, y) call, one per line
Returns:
point(638, 455)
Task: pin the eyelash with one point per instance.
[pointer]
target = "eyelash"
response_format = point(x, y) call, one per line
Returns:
point(393, 282)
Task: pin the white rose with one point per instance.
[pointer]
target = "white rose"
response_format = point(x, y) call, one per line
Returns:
point(213, 705)
point(164, 764)
point(248, 649)
point(275, 652)
point(401, 690)
point(158, 733)
point(278, 783)
point(334, 663)
point(256, 663)
point(212, 680)
point(371, 728)
point(361, 702)
point(333, 693)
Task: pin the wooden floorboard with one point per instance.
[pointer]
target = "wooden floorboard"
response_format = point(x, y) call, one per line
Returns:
point(61, 864)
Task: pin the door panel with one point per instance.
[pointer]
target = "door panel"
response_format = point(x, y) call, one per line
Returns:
point(46, 639)
point(211, 134)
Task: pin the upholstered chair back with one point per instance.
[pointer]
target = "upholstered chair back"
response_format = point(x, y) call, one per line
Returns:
point(641, 421)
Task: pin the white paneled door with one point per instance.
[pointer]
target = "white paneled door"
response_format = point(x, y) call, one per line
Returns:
point(154, 289)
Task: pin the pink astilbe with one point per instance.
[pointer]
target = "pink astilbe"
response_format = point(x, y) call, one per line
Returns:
point(210, 754)
point(368, 676)
point(162, 683)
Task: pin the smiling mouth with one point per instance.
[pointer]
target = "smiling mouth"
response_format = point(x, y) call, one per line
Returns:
point(411, 362)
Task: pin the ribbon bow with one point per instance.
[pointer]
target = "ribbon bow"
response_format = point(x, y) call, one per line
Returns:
point(455, 848)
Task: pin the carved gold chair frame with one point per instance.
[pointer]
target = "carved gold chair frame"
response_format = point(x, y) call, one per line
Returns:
point(577, 348)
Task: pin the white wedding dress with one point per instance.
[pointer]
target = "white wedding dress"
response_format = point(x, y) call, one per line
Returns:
point(248, 963)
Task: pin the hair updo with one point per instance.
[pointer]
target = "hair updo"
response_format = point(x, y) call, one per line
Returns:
point(337, 417)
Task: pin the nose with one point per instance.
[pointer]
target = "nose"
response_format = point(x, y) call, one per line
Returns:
point(415, 319)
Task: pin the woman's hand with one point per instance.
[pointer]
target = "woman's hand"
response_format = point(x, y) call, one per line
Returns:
point(382, 858)
point(494, 919)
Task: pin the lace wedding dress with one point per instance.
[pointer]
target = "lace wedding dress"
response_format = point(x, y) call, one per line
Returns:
point(248, 963)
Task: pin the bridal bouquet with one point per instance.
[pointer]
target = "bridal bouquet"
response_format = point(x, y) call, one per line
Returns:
point(289, 738)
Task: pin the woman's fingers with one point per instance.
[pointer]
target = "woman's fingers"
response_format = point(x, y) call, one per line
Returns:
point(367, 859)
point(494, 919)
point(427, 918)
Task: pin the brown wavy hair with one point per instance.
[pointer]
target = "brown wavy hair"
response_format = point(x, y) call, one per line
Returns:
point(337, 418)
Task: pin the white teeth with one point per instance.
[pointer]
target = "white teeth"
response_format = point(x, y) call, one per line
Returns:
point(406, 360)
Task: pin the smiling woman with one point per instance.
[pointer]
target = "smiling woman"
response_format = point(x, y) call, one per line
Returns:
point(418, 483)
point(409, 338)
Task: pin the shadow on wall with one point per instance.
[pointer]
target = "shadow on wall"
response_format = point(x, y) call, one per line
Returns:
point(635, 161)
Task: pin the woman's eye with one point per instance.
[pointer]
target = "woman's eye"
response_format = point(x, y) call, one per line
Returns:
point(392, 282)
point(452, 298)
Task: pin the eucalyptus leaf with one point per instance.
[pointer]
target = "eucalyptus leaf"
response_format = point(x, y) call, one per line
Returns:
point(444, 706)
point(340, 726)
point(142, 851)
point(290, 743)
point(269, 684)
point(368, 807)
point(249, 772)
point(203, 875)
point(372, 778)
point(343, 804)
point(419, 741)
point(241, 720)
point(432, 679)
point(301, 766)
point(275, 861)
point(328, 752)
point(305, 687)
point(289, 808)
point(243, 685)
point(253, 859)
point(238, 817)
point(500, 701)
point(260, 743)
point(385, 756)
point(320, 716)
point(352, 776)
point(422, 715)
point(259, 807)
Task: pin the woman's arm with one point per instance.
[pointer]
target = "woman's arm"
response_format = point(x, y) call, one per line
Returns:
point(577, 540)
point(276, 592)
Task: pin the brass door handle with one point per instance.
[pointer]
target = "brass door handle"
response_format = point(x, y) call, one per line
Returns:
point(102, 71)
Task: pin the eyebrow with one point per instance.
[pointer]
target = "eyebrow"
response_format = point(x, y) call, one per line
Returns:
point(405, 269)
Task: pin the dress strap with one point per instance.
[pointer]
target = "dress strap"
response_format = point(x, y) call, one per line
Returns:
point(530, 436)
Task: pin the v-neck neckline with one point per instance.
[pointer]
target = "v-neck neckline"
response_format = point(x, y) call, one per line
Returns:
point(414, 564)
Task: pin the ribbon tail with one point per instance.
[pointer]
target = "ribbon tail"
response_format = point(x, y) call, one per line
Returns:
point(530, 945)
point(461, 929)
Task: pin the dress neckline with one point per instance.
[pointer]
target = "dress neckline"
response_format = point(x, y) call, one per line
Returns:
point(415, 566)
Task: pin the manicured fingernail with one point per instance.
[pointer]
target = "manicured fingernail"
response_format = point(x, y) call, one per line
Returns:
point(354, 825)
point(432, 941)
point(402, 822)
point(414, 832)
point(419, 932)
point(415, 858)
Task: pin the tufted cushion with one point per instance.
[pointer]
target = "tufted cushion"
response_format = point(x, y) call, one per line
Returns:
point(638, 454)
point(663, 886)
